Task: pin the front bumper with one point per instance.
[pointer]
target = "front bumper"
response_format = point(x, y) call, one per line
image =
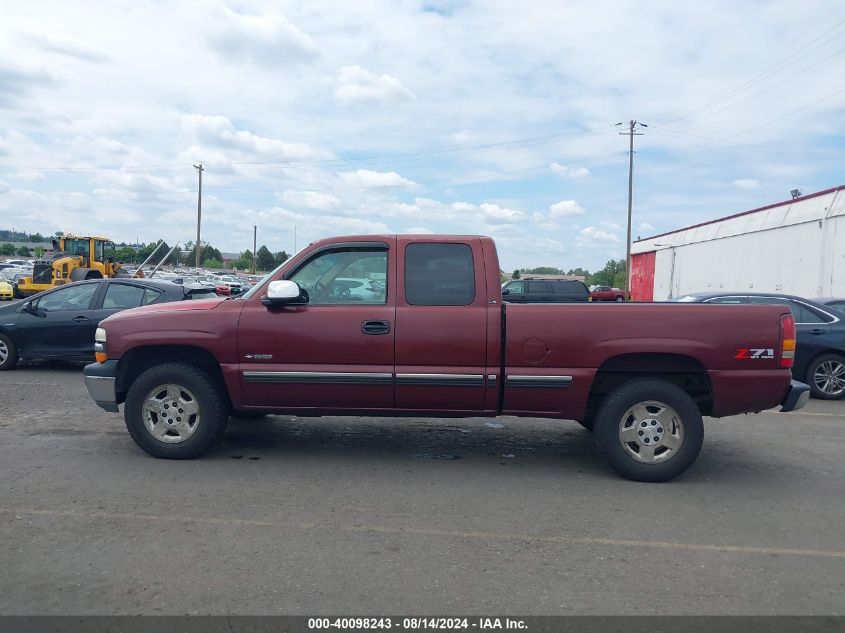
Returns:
point(100, 380)
point(796, 397)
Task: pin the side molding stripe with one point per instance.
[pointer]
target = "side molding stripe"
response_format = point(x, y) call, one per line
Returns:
point(546, 382)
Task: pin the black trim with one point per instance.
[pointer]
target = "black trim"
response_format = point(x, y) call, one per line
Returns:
point(443, 380)
point(544, 382)
point(317, 378)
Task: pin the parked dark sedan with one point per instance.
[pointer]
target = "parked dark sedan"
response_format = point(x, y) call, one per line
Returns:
point(60, 323)
point(832, 302)
point(820, 352)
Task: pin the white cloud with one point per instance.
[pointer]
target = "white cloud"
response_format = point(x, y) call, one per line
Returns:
point(591, 234)
point(217, 134)
point(359, 85)
point(4, 186)
point(645, 226)
point(563, 170)
point(419, 230)
point(311, 200)
point(69, 48)
point(269, 41)
point(566, 209)
point(463, 136)
point(368, 178)
point(749, 184)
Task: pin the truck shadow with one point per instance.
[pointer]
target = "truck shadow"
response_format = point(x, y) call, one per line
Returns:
point(508, 442)
point(525, 443)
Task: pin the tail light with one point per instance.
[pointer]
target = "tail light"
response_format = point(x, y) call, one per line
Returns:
point(787, 341)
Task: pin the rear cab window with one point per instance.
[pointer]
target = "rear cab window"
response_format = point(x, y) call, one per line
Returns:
point(439, 274)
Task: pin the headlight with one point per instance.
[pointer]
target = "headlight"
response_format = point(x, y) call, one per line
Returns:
point(100, 335)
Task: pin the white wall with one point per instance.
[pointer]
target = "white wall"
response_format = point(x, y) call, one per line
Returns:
point(796, 248)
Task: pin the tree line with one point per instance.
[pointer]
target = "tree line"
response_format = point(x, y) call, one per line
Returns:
point(210, 257)
point(613, 274)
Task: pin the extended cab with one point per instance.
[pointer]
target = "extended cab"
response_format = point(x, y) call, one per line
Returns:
point(431, 337)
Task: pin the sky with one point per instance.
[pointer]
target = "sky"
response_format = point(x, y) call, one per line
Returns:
point(428, 116)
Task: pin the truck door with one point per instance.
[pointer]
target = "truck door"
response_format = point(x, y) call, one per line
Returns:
point(334, 353)
point(441, 326)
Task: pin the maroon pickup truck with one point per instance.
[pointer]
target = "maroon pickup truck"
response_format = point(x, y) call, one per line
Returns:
point(415, 325)
point(606, 293)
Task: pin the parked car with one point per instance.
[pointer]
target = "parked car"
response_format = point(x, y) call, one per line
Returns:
point(60, 323)
point(7, 288)
point(530, 290)
point(820, 355)
point(606, 293)
point(441, 343)
point(832, 302)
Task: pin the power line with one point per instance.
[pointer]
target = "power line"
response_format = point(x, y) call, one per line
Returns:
point(406, 157)
point(451, 181)
point(772, 70)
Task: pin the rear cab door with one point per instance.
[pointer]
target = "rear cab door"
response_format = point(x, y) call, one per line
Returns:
point(448, 325)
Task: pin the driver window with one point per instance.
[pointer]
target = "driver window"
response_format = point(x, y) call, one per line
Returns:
point(70, 298)
point(345, 277)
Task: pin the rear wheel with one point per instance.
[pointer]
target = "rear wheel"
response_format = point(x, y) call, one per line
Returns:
point(175, 411)
point(8, 353)
point(649, 430)
point(826, 376)
point(620, 299)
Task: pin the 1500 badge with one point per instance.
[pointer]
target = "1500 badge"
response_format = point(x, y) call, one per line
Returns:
point(751, 353)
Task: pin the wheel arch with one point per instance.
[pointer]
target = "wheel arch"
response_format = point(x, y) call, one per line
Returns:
point(138, 359)
point(682, 370)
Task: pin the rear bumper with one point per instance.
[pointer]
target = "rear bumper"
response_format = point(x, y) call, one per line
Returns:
point(100, 380)
point(796, 397)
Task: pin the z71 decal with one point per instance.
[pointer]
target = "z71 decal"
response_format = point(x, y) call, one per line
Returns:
point(751, 353)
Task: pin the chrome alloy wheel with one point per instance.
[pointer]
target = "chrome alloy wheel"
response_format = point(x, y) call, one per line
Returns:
point(4, 351)
point(651, 432)
point(171, 413)
point(829, 377)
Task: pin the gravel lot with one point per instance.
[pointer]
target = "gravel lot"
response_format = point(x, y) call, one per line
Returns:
point(376, 516)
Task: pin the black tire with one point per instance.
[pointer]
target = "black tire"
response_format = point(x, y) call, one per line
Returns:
point(815, 389)
point(213, 410)
point(619, 299)
point(247, 415)
point(686, 423)
point(11, 359)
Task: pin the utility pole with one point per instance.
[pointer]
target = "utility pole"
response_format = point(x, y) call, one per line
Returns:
point(632, 125)
point(254, 244)
point(199, 169)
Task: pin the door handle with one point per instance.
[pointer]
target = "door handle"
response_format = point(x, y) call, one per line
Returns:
point(375, 327)
point(817, 331)
point(80, 319)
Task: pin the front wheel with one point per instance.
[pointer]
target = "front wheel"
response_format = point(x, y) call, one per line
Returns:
point(620, 299)
point(649, 430)
point(175, 411)
point(8, 353)
point(826, 376)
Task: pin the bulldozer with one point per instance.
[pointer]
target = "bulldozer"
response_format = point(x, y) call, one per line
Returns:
point(75, 258)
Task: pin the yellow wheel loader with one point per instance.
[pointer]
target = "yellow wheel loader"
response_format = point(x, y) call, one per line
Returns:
point(75, 258)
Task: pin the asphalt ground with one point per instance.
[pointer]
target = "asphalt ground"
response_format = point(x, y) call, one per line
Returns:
point(384, 516)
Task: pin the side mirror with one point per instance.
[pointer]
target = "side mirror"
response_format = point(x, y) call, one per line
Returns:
point(506, 291)
point(284, 292)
